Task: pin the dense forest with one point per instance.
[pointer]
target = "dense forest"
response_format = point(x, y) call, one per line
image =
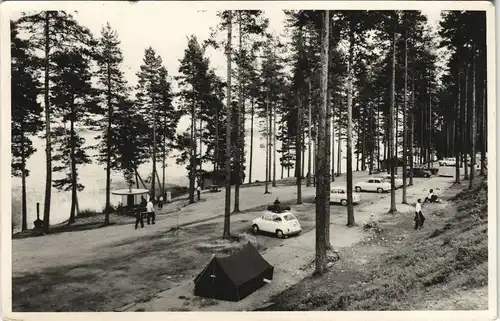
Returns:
point(369, 78)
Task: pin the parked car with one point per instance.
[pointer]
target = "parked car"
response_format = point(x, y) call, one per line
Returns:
point(339, 195)
point(373, 185)
point(431, 170)
point(451, 161)
point(280, 224)
point(418, 172)
point(398, 182)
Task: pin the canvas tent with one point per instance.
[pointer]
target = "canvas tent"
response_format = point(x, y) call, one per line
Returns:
point(232, 278)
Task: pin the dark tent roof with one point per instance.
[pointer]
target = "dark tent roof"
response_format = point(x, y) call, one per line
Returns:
point(244, 265)
point(234, 277)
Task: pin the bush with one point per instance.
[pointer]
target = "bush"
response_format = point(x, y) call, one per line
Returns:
point(87, 213)
point(177, 191)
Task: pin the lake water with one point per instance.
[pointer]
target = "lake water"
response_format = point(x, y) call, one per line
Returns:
point(93, 177)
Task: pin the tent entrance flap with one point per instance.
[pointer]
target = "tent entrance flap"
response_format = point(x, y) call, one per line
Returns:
point(234, 277)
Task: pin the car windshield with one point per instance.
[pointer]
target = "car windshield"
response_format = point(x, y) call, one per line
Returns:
point(289, 217)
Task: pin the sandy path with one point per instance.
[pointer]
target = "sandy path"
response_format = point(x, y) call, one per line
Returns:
point(289, 259)
point(70, 248)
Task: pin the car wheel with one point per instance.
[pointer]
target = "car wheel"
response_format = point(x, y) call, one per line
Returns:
point(343, 202)
point(427, 176)
point(358, 189)
point(255, 229)
point(279, 234)
point(380, 190)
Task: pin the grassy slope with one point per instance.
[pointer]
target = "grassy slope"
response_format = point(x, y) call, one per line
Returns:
point(437, 267)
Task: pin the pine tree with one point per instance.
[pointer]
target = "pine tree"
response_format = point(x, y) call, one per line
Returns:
point(73, 99)
point(113, 91)
point(196, 96)
point(26, 111)
point(127, 148)
point(154, 103)
point(50, 32)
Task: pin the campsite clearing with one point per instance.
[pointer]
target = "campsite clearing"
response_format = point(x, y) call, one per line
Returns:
point(152, 269)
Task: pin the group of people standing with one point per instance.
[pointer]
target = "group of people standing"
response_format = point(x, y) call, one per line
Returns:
point(148, 208)
point(419, 217)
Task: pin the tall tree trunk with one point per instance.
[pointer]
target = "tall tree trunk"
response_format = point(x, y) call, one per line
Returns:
point(274, 145)
point(282, 168)
point(48, 143)
point(323, 182)
point(266, 188)
point(412, 131)
point(24, 215)
point(227, 207)
point(238, 146)
point(216, 151)
point(484, 136)
point(464, 128)
point(328, 128)
point(252, 112)
point(377, 136)
point(392, 144)
point(350, 209)
point(333, 143)
point(153, 186)
point(107, 206)
point(339, 150)
point(429, 139)
point(363, 141)
point(72, 215)
point(386, 144)
point(192, 169)
point(396, 136)
point(315, 163)
point(309, 134)
point(405, 125)
point(164, 156)
point(200, 134)
point(302, 166)
point(473, 121)
point(458, 125)
point(298, 150)
point(357, 146)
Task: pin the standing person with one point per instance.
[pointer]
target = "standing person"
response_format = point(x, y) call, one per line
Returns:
point(419, 217)
point(138, 217)
point(198, 191)
point(151, 211)
point(160, 202)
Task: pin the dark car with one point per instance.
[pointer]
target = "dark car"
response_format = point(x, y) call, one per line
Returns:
point(418, 172)
point(432, 170)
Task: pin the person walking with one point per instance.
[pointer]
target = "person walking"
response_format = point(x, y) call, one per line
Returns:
point(138, 217)
point(150, 209)
point(160, 202)
point(419, 217)
point(198, 191)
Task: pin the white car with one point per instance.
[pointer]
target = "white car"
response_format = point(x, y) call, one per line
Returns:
point(339, 195)
point(398, 182)
point(448, 162)
point(373, 185)
point(281, 224)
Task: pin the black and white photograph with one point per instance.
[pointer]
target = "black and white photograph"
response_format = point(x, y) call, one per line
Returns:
point(254, 156)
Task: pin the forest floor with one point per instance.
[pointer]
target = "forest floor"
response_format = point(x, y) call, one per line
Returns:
point(118, 268)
